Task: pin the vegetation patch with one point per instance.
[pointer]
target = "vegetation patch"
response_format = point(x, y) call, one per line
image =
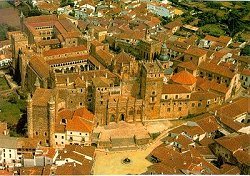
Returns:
point(213, 29)
point(3, 84)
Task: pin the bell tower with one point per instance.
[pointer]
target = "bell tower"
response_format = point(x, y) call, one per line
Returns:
point(152, 76)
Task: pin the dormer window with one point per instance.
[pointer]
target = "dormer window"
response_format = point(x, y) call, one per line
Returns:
point(64, 121)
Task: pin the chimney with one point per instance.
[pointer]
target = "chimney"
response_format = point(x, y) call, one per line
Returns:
point(67, 81)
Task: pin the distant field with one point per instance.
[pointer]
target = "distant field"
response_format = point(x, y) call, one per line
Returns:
point(213, 29)
point(10, 16)
point(4, 4)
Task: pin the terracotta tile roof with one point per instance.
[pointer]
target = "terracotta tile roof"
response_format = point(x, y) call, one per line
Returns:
point(208, 124)
point(39, 65)
point(168, 156)
point(184, 77)
point(123, 57)
point(101, 82)
point(4, 172)
point(49, 42)
point(218, 69)
point(84, 113)
point(189, 65)
point(80, 83)
point(195, 51)
point(74, 169)
point(175, 89)
point(106, 56)
point(38, 170)
point(41, 97)
point(234, 109)
point(221, 39)
point(202, 95)
point(160, 168)
point(235, 143)
point(64, 50)
point(42, 18)
point(228, 169)
point(64, 114)
point(47, 6)
point(94, 61)
point(27, 143)
point(78, 124)
point(46, 151)
point(245, 72)
point(175, 23)
point(190, 130)
point(207, 85)
point(243, 156)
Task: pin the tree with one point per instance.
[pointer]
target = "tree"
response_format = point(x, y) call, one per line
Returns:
point(245, 51)
point(214, 5)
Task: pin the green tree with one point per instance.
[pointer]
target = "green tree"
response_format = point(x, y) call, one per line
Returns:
point(245, 51)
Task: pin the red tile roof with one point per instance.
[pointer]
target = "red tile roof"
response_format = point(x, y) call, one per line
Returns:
point(217, 69)
point(234, 143)
point(189, 65)
point(245, 72)
point(184, 77)
point(64, 50)
point(195, 51)
point(84, 113)
point(175, 89)
point(79, 124)
point(39, 66)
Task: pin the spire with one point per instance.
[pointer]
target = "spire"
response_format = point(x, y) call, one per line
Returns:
point(51, 100)
point(22, 15)
point(164, 54)
point(37, 83)
point(29, 98)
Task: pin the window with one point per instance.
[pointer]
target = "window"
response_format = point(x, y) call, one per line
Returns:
point(56, 143)
point(193, 104)
point(179, 108)
point(153, 93)
point(187, 96)
point(199, 104)
point(168, 109)
point(81, 104)
point(62, 142)
point(36, 133)
point(70, 132)
point(62, 137)
point(10, 155)
point(176, 96)
point(131, 112)
point(45, 134)
point(80, 133)
point(166, 97)
point(55, 136)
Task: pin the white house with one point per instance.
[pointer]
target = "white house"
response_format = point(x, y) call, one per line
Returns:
point(5, 61)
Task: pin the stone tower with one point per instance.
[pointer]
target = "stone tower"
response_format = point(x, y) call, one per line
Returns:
point(51, 116)
point(151, 89)
point(22, 20)
point(30, 116)
point(100, 89)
